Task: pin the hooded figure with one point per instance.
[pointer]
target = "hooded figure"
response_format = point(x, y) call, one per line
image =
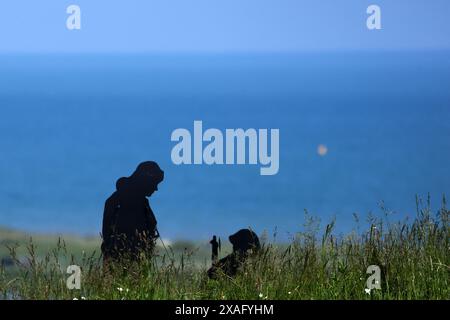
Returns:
point(243, 241)
point(129, 225)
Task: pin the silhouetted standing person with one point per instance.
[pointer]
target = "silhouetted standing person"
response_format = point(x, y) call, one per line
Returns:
point(215, 249)
point(129, 225)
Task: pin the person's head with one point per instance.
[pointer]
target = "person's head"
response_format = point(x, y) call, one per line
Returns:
point(244, 240)
point(147, 176)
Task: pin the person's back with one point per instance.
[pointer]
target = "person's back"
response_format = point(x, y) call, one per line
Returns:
point(110, 214)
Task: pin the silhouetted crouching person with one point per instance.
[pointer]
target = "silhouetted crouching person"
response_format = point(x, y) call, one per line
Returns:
point(129, 225)
point(245, 242)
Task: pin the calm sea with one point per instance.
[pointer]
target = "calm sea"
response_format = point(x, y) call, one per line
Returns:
point(71, 125)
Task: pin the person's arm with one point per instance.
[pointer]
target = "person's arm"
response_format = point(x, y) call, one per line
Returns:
point(151, 220)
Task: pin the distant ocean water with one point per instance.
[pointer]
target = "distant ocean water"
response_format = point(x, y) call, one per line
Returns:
point(71, 125)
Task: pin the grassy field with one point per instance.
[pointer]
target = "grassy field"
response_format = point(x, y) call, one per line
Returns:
point(414, 258)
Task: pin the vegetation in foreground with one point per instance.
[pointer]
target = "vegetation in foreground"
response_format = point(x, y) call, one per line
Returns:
point(414, 258)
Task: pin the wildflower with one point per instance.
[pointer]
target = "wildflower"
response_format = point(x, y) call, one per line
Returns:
point(83, 298)
point(289, 292)
point(74, 299)
point(367, 291)
point(261, 295)
point(120, 289)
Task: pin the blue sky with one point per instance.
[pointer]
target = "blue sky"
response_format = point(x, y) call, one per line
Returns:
point(222, 25)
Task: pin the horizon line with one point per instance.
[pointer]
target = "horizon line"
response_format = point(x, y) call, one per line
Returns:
point(231, 52)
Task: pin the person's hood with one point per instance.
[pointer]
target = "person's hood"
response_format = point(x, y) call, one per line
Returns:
point(121, 183)
point(244, 239)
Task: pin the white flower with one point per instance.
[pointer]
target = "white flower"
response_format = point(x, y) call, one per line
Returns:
point(289, 292)
point(83, 298)
point(120, 289)
point(74, 299)
point(261, 295)
point(367, 291)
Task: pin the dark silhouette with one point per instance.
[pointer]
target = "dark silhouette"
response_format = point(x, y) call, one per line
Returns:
point(215, 249)
point(245, 243)
point(129, 225)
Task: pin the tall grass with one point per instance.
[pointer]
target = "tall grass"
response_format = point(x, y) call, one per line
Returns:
point(413, 257)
